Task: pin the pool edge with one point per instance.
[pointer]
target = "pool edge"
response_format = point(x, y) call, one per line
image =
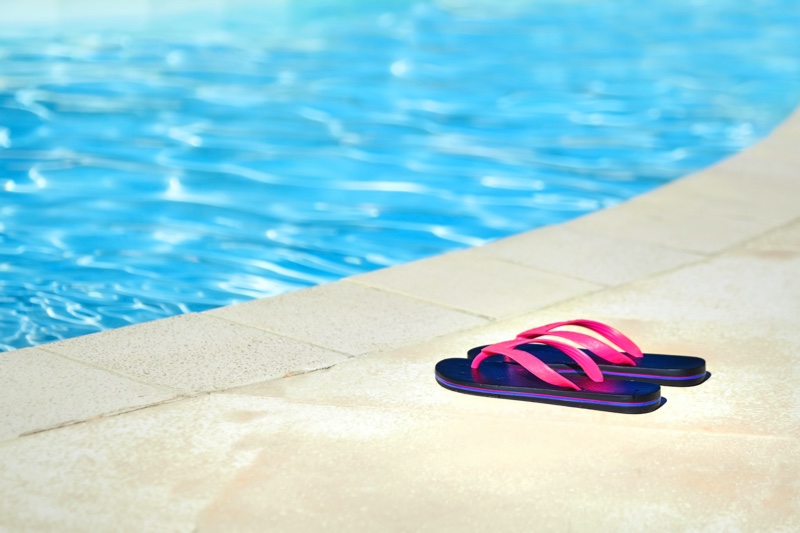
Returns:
point(687, 221)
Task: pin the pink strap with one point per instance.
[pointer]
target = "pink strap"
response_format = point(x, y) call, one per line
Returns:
point(536, 366)
point(527, 361)
point(584, 361)
point(610, 333)
point(593, 344)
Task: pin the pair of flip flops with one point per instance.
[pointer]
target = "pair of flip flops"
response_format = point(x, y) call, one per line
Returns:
point(532, 367)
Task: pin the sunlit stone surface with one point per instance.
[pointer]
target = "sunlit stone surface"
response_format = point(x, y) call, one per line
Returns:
point(167, 164)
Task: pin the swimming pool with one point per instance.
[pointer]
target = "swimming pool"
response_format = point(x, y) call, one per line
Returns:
point(194, 161)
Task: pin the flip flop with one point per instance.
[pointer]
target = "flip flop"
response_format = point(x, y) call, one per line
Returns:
point(532, 380)
point(627, 362)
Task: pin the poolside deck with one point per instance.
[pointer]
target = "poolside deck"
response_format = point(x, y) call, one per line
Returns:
point(318, 409)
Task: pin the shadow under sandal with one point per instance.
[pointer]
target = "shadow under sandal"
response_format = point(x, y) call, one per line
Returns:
point(532, 380)
point(627, 362)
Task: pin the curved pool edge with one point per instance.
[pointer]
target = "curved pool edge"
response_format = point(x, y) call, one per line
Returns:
point(688, 221)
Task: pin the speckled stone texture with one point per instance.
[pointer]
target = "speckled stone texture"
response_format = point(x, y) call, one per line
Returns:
point(42, 390)
point(349, 317)
point(196, 353)
point(478, 283)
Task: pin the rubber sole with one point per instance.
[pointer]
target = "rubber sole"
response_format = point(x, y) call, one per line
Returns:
point(501, 380)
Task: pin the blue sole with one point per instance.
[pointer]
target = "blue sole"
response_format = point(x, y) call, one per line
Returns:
point(501, 380)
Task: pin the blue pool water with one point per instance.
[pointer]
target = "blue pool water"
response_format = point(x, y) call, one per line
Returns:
point(197, 161)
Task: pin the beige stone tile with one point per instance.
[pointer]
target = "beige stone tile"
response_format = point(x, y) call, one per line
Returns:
point(126, 473)
point(738, 290)
point(221, 463)
point(349, 317)
point(669, 223)
point(477, 283)
point(765, 169)
point(473, 474)
point(41, 390)
point(781, 243)
point(723, 192)
point(194, 353)
point(401, 378)
point(781, 147)
point(608, 260)
point(790, 129)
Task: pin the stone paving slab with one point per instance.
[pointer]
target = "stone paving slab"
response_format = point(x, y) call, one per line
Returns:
point(41, 390)
point(607, 260)
point(672, 224)
point(746, 290)
point(725, 191)
point(349, 318)
point(196, 353)
point(477, 283)
point(468, 473)
point(781, 243)
point(778, 154)
point(768, 175)
point(219, 462)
